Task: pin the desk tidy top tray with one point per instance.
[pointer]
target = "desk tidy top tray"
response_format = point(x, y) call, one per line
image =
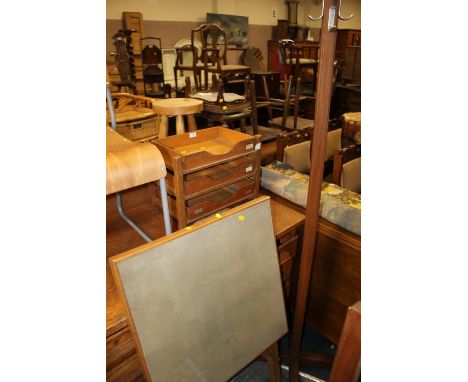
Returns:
point(206, 147)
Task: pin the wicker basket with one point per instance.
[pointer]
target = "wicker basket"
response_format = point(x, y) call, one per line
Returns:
point(137, 121)
point(139, 130)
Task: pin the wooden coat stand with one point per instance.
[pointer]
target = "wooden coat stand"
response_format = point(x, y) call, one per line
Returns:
point(322, 109)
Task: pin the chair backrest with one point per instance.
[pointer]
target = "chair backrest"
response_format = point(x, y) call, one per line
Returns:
point(151, 54)
point(347, 168)
point(124, 55)
point(298, 157)
point(351, 175)
point(253, 57)
point(288, 51)
point(213, 39)
point(333, 143)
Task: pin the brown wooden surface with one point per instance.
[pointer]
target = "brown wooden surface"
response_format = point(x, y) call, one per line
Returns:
point(347, 363)
point(322, 109)
point(205, 148)
point(336, 278)
point(130, 164)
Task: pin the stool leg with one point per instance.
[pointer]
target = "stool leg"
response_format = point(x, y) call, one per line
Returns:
point(192, 126)
point(180, 127)
point(163, 126)
point(165, 205)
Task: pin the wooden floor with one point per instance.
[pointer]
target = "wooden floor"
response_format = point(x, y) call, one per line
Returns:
point(140, 206)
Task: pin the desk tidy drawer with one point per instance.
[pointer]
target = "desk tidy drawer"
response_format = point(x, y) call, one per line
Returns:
point(205, 147)
point(220, 198)
point(216, 200)
point(215, 176)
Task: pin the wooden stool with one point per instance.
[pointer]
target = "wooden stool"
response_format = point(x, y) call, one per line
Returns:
point(178, 107)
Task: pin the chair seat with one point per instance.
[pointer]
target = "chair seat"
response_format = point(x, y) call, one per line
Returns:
point(228, 67)
point(302, 61)
point(302, 123)
point(188, 67)
point(133, 114)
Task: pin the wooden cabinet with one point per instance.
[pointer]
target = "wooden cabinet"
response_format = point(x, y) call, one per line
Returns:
point(346, 38)
point(122, 362)
point(209, 170)
point(288, 226)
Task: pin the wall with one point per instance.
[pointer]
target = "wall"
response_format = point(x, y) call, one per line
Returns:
point(314, 8)
point(173, 20)
point(260, 12)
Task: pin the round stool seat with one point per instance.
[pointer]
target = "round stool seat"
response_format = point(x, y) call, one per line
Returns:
point(177, 106)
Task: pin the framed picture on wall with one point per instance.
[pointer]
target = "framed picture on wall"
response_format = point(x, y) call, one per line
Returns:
point(236, 27)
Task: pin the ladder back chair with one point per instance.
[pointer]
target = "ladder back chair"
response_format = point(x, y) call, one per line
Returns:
point(214, 53)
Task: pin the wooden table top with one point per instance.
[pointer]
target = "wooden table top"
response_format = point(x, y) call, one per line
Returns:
point(284, 219)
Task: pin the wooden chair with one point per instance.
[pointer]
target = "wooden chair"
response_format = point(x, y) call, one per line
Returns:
point(134, 117)
point(347, 168)
point(130, 164)
point(287, 121)
point(294, 59)
point(153, 70)
point(188, 59)
point(224, 107)
point(214, 53)
point(124, 61)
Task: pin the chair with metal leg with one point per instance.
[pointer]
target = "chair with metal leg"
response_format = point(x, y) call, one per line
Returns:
point(130, 164)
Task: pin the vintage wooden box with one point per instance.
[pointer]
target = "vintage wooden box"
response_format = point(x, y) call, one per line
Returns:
point(209, 170)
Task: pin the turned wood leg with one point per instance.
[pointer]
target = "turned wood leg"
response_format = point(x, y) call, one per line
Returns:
point(163, 126)
point(192, 126)
point(180, 127)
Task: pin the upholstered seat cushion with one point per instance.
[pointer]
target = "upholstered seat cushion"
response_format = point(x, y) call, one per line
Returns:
point(135, 113)
point(302, 123)
point(190, 66)
point(302, 61)
point(337, 205)
point(229, 67)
